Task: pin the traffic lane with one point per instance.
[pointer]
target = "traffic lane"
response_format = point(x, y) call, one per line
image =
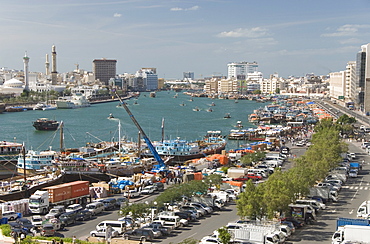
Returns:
point(353, 193)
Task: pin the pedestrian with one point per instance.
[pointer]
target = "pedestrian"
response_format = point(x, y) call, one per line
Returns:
point(74, 240)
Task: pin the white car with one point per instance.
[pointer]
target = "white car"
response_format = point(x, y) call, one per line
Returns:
point(148, 190)
point(36, 220)
point(74, 208)
point(209, 240)
point(101, 233)
point(353, 173)
point(131, 194)
point(11, 215)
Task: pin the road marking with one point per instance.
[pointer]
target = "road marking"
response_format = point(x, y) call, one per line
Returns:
point(193, 235)
point(350, 212)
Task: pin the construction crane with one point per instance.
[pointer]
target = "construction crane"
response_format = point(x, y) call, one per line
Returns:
point(161, 166)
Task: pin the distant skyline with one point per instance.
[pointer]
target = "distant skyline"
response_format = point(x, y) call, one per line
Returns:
point(175, 36)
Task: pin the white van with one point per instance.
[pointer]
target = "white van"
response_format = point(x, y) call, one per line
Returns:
point(169, 220)
point(95, 207)
point(118, 226)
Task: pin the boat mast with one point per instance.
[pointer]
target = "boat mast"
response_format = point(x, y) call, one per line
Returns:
point(24, 163)
point(162, 129)
point(61, 137)
point(119, 137)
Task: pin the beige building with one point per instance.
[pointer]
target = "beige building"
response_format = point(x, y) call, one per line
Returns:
point(337, 82)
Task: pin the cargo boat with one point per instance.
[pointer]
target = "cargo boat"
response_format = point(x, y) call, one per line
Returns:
point(45, 124)
point(183, 150)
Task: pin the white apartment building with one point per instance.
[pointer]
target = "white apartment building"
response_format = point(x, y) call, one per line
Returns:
point(269, 86)
point(337, 85)
point(240, 70)
point(350, 89)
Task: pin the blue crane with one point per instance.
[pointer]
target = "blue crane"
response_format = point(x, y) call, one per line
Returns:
point(161, 166)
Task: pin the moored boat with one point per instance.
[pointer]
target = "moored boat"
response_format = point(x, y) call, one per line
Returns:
point(182, 150)
point(34, 161)
point(45, 124)
point(75, 101)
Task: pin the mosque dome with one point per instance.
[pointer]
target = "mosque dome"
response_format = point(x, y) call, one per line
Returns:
point(13, 83)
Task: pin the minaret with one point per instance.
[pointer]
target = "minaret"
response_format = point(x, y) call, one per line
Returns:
point(53, 66)
point(25, 61)
point(47, 65)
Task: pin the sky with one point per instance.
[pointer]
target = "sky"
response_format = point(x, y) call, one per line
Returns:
point(287, 37)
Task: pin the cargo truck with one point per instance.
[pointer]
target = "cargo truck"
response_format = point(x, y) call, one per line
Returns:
point(303, 212)
point(351, 233)
point(348, 221)
point(325, 193)
point(255, 236)
point(64, 194)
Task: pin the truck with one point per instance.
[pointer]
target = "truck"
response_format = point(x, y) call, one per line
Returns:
point(214, 202)
point(325, 193)
point(266, 234)
point(352, 233)
point(349, 221)
point(356, 166)
point(302, 212)
point(64, 194)
point(363, 210)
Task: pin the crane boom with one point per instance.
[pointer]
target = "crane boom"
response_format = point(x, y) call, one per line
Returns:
point(161, 165)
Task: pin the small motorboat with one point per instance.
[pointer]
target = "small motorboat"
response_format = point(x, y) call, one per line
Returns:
point(227, 116)
point(209, 110)
point(110, 116)
point(196, 109)
point(182, 104)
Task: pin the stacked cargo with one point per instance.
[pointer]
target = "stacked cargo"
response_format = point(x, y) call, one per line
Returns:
point(18, 206)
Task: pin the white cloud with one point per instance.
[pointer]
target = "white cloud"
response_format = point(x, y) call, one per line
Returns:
point(255, 32)
point(347, 30)
point(194, 8)
point(176, 9)
point(351, 41)
point(117, 15)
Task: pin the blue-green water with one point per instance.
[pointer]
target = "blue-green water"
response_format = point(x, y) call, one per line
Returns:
point(90, 124)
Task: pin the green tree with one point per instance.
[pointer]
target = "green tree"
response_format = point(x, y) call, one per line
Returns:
point(251, 203)
point(223, 235)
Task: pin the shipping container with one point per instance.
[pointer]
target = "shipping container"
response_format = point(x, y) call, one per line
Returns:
point(58, 193)
point(79, 188)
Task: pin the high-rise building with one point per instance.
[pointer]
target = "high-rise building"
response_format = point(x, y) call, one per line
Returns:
point(240, 70)
point(104, 69)
point(188, 75)
point(350, 94)
point(363, 77)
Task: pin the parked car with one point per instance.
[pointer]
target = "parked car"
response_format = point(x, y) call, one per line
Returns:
point(249, 176)
point(26, 224)
point(209, 240)
point(84, 215)
point(11, 215)
point(353, 173)
point(156, 226)
point(109, 203)
point(74, 208)
point(131, 194)
point(148, 190)
point(55, 212)
point(159, 186)
point(17, 230)
point(47, 230)
point(68, 218)
point(102, 233)
point(139, 234)
point(36, 220)
point(295, 222)
point(207, 209)
point(121, 201)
